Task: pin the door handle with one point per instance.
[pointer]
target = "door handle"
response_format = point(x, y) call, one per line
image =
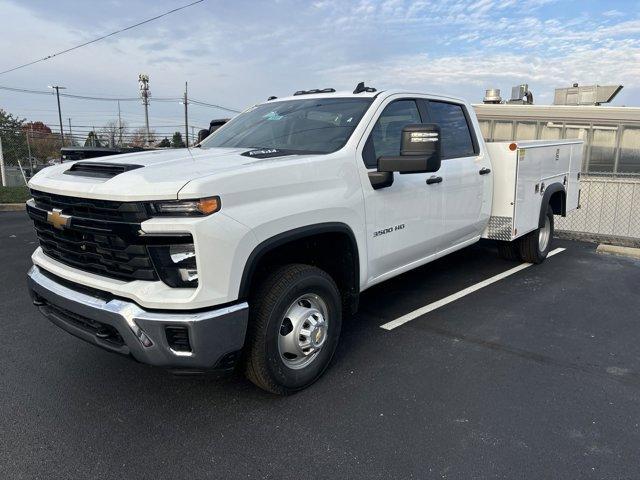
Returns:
point(434, 179)
point(484, 171)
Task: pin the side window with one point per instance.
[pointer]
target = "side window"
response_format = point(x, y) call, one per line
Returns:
point(386, 134)
point(454, 129)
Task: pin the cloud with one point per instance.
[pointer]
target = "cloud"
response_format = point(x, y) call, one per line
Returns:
point(237, 53)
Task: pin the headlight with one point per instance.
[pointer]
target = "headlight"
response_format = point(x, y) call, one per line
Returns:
point(180, 208)
point(176, 264)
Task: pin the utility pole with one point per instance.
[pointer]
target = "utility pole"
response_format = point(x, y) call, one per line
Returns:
point(29, 147)
point(143, 81)
point(3, 178)
point(119, 126)
point(57, 89)
point(70, 133)
point(186, 117)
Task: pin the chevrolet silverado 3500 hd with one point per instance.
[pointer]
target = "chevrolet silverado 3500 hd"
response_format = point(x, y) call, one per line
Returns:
point(251, 248)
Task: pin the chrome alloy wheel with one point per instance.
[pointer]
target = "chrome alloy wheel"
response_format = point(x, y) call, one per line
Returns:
point(303, 331)
point(544, 234)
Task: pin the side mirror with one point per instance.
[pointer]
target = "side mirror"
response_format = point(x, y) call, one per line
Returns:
point(419, 151)
point(202, 134)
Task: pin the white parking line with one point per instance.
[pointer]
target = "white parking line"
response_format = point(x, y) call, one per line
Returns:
point(455, 296)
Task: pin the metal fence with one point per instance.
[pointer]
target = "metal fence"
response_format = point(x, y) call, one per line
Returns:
point(23, 152)
point(609, 210)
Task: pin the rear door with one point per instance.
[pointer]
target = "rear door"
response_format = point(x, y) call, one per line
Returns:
point(463, 177)
point(403, 220)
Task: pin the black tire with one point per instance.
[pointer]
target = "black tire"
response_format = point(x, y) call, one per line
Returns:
point(264, 364)
point(509, 250)
point(530, 248)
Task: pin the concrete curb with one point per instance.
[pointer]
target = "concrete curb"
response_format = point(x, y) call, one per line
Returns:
point(615, 250)
point(12, 207)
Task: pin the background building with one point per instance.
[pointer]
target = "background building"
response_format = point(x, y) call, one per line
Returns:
point(610, 182)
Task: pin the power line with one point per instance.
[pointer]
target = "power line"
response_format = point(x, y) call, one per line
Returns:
point(100, 38)
point(121, 99)
point(86, 97)
point(205, 104)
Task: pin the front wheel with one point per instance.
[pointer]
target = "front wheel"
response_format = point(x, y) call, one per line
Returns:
point(294, 326)
point(535, 246)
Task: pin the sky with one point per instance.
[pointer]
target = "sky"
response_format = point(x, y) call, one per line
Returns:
point(237, 53)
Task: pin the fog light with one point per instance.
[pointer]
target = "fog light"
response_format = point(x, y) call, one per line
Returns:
point(176, 264)
point(188, 274)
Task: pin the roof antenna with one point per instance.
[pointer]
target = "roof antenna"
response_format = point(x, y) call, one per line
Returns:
point(361, 88)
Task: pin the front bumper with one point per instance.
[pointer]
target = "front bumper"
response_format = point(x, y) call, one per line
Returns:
point(215, 336)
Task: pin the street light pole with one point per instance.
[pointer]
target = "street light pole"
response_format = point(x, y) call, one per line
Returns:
point(57, 89)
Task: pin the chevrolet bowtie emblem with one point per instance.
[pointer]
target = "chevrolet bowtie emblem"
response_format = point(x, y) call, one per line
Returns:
point(57, 219)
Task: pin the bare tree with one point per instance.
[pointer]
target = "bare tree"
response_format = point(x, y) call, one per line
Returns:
point(139, 137)
point(113, 132)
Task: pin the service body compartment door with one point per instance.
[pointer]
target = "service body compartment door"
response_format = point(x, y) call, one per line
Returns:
point(523, 171)
point(573, 181)
point(504, 164)
point(528, 196)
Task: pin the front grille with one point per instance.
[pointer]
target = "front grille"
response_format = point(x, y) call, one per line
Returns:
point(104, 254)
point(102, 236)
point(91, 208)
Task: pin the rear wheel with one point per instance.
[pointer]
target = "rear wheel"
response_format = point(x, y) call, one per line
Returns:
point(509, 250)
point(295, 322)
point(535, 246)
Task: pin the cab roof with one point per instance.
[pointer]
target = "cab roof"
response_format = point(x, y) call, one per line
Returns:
point(365, 94)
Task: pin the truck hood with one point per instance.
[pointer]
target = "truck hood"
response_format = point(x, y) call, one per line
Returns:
point(160, 174)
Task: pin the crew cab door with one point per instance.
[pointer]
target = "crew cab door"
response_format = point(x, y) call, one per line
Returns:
point(464, 173)
point(404, 220)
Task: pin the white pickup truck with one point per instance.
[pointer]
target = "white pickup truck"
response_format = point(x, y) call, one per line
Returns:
point(252, 248)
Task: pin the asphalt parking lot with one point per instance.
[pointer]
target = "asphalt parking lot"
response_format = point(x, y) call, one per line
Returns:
point(534, 376)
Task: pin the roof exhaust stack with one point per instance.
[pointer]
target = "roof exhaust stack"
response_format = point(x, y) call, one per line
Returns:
point(492, 96)
point(586, 95)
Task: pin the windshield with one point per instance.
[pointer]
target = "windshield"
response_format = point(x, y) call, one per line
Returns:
point(299, 126)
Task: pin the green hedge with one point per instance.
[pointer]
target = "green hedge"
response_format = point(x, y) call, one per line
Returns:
point(14, 194)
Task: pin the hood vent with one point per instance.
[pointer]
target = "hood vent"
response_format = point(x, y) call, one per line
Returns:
point(99, 169)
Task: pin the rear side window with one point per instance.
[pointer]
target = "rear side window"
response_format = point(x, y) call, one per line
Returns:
point(386, 136)
point(454, 129)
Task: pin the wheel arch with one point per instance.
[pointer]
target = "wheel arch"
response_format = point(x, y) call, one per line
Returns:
point(297, 242)
point(555, 195)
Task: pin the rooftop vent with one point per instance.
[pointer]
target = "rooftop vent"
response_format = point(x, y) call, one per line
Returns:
point(521, 95)
point(492, 95)
point(586, 95)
